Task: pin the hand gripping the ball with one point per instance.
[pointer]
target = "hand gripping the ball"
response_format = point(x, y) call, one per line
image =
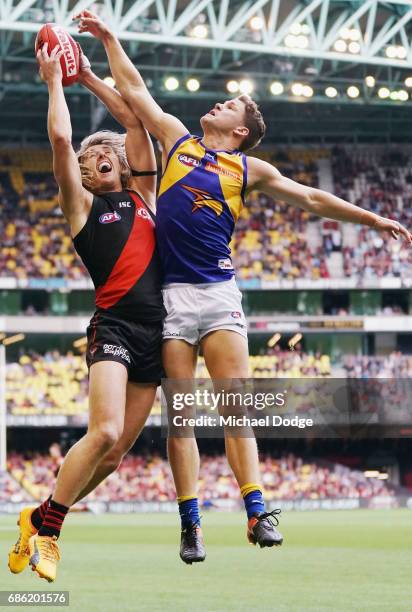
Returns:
point(49, 65)
point(56, 36)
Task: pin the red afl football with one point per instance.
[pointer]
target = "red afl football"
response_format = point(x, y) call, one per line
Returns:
point(55, 35)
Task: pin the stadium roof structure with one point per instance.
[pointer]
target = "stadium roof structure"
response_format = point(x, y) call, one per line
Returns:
point(317, 56)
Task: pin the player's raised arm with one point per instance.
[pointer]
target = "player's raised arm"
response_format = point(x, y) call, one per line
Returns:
point(74, 200)
point(139, 147)
point(264, 177)
point(166, 128)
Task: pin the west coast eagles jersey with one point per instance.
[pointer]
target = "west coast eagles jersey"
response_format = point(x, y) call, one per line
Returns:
point(200, 199)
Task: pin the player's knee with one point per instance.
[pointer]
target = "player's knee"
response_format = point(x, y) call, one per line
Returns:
point(112, 462)
point(106, 435)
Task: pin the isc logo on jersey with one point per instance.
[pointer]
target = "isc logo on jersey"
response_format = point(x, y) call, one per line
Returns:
point(109, 217)
point(192, 162)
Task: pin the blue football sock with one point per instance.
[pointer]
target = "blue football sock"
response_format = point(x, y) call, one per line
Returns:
point(254, 503)
point(189, 512)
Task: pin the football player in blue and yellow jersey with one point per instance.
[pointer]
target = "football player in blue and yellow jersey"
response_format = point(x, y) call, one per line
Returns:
point(202, 191)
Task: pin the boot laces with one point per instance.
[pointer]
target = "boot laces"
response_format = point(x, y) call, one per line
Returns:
point(270, 517)
point(49, 549)
point(191, 533)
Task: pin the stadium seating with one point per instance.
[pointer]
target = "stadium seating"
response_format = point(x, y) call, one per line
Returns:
point(271, 241)
point(269, 244)
point(395, 365)
point(379, 180)
point(55, 384)
point(141, 478)
point(11, 490)
point(50, 384)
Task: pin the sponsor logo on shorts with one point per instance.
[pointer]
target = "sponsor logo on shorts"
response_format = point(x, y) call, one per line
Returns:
point(236, 314)
point(116, 351)
point(143, 213)
point(225, 264)
point(170, 333)
point(109, 217)
point(187, 160)
point(68, 53)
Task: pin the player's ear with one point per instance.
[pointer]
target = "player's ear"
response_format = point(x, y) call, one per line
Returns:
point(241, 131)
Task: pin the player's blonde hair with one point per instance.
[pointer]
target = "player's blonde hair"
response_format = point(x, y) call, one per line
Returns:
point(116, 142)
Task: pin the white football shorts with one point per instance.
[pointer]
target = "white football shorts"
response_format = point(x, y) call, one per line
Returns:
point(193, 311)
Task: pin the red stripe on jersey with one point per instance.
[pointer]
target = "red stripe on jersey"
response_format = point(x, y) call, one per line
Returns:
point(133, 260)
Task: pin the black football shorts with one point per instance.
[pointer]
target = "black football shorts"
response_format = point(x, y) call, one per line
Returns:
point(136, 345)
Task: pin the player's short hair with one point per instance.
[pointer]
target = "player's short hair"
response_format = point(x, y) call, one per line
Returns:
point(116, 142)
point(254, 122)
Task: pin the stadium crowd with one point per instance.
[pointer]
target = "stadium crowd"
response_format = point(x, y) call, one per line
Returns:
point(269, 243)
point(35, 241)
point(149, 478)
point(49, 384)
point(395, 365)
point(380, 181)
point(56, 384)
point(11, 490)
point(271, 239)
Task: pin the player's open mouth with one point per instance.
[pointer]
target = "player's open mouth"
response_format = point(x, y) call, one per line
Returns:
point(212, 112)
point(104, 167)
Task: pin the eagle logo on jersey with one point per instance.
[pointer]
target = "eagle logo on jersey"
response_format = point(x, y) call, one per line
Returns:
point(202, 199)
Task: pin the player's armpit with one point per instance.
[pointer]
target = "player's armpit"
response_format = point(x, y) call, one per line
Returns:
point(141, 157)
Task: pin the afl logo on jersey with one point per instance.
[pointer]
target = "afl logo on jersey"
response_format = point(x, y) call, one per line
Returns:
point(192, 162)
point(109, 217)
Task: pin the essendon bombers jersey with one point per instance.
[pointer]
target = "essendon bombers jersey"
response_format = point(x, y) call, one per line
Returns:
point(117, 246)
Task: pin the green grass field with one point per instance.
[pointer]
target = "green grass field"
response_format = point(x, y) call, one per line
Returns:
point(340, 561)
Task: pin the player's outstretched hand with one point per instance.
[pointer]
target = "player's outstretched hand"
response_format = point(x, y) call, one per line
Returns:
point(393, 228)
point(49, 65)
point(89, 22)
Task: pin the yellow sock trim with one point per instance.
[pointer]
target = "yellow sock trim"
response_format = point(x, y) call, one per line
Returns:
point(249, 487)
point(184, 498)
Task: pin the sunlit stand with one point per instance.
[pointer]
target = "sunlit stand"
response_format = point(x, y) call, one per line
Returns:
point(3, 407)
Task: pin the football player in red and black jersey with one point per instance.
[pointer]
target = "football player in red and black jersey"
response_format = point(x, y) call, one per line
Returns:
point(109, 209)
